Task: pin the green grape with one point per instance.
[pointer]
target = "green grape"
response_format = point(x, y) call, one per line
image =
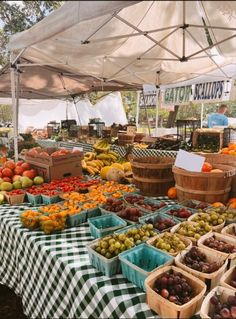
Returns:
point(137, 237)
point(105, 244)
point(149, 226)
point(103, 252)
point(147, 234)
point(98, 249)
point(112, 248)
point(138, 242)
point(122, 247)
point(117, 252)
point(121, 237)
point(112, 241)
point(117, 245)
point(108, 255)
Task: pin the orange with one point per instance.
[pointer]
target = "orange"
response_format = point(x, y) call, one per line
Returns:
point(172, 193)
point(206, 167)
point(232, 152)
point(232, 200)
point(232, 205)
point(232, 146)
point(225, 150)
point(217, 204)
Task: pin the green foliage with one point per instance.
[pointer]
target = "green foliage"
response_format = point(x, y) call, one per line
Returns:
point(20, 16)
point(6, 113)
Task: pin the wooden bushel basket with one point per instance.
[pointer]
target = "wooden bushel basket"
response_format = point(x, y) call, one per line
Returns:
point(153, 175)
point(205, 187)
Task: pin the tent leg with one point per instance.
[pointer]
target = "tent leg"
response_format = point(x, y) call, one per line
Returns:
point(15, 103)
point(202, 110)
point(157, 111)
point(137, 109)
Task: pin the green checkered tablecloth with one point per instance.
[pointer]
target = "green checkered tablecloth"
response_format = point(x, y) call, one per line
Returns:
point(53, 275)
point(119, 149)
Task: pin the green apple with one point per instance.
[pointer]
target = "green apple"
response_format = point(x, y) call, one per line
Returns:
point(6, 186)
point(26, 182)
point(38, 180)
point(17, 185)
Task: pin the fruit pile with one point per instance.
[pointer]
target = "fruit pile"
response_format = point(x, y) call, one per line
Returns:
point(220, 245)
point(221, 309)
point(196, 205)
point(197, 260)
point(180, 212)
point(161, 223)
point(41, 152)
point(112, 187)
point(208, 168)
point(18, 175)
point(140, 201)
point(193, 230)
point(225, 213)
point(52, 223)
point(130, 213)
point(114, 205)
point(140, 234)
point(211, 217)
point(170, 243)
point(16, 192)
point(111, 246)
point(50, 209)
point(230, 150)
point(30, 219)
point(174, 287)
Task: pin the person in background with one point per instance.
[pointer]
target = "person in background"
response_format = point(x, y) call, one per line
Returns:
point(218, 118)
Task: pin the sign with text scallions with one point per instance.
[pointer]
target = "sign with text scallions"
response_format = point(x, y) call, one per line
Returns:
point(200, 92)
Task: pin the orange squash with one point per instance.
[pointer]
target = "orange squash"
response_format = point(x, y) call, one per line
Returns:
point(172, 193)
point(217, 204)
point(206, 167)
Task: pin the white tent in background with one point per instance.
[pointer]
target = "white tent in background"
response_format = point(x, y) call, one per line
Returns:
point(136, 42)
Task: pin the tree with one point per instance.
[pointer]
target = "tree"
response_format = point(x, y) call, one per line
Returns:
point(19, 16)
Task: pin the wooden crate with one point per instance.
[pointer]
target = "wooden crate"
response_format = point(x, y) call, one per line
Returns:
point(211, 133)
point(227, 277)
point(206, 306)
point(167, 309)
point(187, 242)
point(212, 279)
point(227, 239)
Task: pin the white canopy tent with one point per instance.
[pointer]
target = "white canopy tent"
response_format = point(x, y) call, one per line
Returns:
point(37, 113)
point(136, 42)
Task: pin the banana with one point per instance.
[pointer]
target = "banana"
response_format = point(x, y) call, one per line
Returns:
point(93, 164)
point(113, 153)
point(90, 170)
point(106, 162)
point(112, 157)
point(100, 162)
point(89, 156)
point(84, 165)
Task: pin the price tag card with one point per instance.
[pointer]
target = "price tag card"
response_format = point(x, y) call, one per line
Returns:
point(189, 161)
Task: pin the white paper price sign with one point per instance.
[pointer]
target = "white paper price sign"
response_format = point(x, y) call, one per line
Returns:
point(189, 161)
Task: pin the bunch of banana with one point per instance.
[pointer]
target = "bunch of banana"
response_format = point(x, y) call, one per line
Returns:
point(89, 156)
point(108, 158)
point(101, 146)
point(92, 167)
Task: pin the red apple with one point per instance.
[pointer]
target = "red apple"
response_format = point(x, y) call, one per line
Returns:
point(18, 170)
point(30, 173)
point(7, 179)
point(9, 164)
point(7, 172)
point(25, 166)
point(19, 163)
point(16, 178)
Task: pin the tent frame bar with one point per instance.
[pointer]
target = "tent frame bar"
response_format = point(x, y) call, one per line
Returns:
point(210, 27)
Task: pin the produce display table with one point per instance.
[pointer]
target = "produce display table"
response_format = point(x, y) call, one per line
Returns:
point(119, 149)
point(53, 275)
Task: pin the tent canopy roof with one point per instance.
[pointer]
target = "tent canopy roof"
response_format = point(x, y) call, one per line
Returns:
point(136, 42)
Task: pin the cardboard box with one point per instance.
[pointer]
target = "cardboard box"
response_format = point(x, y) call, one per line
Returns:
point(53, 160)
point(59, 171)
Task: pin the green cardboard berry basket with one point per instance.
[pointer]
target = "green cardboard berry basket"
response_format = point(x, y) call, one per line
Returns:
point(154, 217)
point(166, 210)
point(138, 262)
point(34, 199)
point(109, 267)
point(104, 225)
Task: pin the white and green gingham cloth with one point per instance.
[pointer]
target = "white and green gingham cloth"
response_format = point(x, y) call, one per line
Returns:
point(53, 275)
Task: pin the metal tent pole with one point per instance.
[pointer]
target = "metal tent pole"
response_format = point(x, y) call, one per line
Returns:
point(137, 109)
point(202, 110)
point(157, 110)
point(15, 112)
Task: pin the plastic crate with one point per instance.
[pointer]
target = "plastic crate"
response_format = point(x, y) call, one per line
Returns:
point(155, 217)
point(108, 267)
point(34, 199)
point(50, 199)
point(167, 209)
point(76, 219)
point(138, 262)
point(104, 225)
